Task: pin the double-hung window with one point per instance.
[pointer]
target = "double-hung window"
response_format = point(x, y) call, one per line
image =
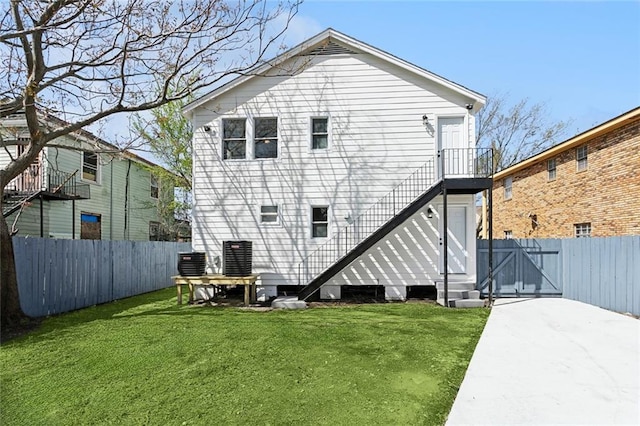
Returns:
point(269, 214)
point(551, 169)
point(508, 190)
point(319, 133)
point(155, 188)
point(234, 138)
point(266, 137)
point(319, 221)
point(581, 157)
point(90, 166)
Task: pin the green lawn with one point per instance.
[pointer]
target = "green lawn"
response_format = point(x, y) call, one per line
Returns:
point(145, 360)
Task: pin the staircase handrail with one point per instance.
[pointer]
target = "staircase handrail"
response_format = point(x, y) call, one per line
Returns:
point(382, 211)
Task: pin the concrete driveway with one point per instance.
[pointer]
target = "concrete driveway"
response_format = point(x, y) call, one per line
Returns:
point(552, 361)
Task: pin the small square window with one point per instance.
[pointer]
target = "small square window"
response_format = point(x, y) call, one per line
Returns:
point(319, 221)
point(234, 139)
point(155, 189)
point(581, 157)
point(551, 169)
point(266, 138)
point(508, 235)
point(268, 214)
point(319, 133)
point(90, 166)
point(582, 230)
point(508, 190)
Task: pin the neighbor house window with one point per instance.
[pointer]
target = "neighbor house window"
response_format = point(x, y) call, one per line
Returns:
point(90, 166)
point(266, 138)
point(268, 214)
point(508, 235)
point(581, 157)
point(319, 221)
point(551, 169)
point(508, 183)
point(582, 230)
point(234, 138)
point(319, 133)
point(155, 190)
point(154, 231)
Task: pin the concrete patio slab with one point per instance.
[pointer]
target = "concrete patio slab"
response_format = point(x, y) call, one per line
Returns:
point(288, 302)
point(552, 361)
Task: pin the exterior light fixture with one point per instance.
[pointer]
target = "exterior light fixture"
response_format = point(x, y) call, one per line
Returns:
point(429, 213)
point(348, 218)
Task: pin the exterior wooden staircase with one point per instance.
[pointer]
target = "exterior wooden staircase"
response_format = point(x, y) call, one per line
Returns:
point(458, 171)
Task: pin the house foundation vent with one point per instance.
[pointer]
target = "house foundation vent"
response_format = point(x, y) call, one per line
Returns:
point(237, 258)
point(192, 264)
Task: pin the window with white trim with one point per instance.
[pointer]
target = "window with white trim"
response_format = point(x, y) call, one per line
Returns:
point(266, 138)
point(508, 188)
point(581, 157)
point(234, 138)
point(319, 221)
point(551, 169)
point(508, 235)
point(269, 214)
point(155, 188)
point(319, 133)
point(582, 230)
point(90, 166)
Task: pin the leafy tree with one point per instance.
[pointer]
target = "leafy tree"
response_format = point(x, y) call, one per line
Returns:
point(168, 136)
point(516, 130)
point(85, 60)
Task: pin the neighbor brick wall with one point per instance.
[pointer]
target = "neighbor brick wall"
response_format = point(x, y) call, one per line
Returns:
point(607, 194)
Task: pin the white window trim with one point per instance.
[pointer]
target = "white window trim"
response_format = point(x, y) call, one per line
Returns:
point(247, 138)
point(510, 180)
point(311, 223)
point(253, 139)
point(582, 226)
point(329, 134)
point(152, 178)
point(278, 222)
point(555, 170)
point(585, 159)
point(98, 180)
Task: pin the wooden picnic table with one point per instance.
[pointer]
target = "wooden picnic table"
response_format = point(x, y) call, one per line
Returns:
point(249, 283)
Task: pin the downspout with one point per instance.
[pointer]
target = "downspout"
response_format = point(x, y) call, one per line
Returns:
point(111, 201)
point(126, 202)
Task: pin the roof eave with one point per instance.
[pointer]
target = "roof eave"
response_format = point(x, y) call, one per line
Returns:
point(572, 142)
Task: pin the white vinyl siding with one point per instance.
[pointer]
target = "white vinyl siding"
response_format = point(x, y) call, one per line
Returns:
point(376, 140)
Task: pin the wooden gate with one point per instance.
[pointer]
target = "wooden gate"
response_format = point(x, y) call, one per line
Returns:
point(521, 267)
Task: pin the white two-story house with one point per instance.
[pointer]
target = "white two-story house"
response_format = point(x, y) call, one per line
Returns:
point(336, 160)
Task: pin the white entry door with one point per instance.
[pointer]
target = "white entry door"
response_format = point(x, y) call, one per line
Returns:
point(451, 138)
point(457, 242)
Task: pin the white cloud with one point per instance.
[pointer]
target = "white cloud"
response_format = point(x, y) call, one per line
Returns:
point(300, 29)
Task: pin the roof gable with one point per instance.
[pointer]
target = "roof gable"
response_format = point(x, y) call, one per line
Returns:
point(332, 42)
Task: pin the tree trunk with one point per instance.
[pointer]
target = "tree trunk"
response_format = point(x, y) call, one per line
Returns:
point(10, 310)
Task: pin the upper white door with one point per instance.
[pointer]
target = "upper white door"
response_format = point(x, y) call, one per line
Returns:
point(451, 139)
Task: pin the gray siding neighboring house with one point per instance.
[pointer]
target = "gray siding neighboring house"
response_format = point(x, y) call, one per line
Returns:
point(91, 190)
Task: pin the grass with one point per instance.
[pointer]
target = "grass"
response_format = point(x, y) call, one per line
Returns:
point(145, 360)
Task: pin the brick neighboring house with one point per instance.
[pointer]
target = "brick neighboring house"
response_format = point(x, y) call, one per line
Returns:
point(586, 186)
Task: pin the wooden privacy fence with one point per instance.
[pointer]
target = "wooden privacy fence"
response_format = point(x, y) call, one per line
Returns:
point(603, 272)
point(56, 276)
